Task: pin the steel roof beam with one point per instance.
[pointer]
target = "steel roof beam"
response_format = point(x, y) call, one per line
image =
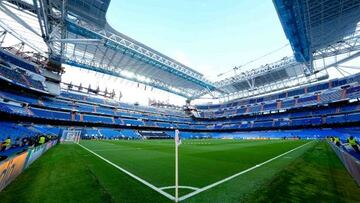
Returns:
point(119, 44)
point(156, 84)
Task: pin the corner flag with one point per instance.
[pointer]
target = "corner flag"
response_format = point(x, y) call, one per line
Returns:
point(177, 143)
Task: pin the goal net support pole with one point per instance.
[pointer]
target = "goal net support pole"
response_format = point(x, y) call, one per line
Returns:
point(77, 140)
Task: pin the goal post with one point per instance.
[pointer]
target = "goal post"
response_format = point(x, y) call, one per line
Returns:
point(71, 135)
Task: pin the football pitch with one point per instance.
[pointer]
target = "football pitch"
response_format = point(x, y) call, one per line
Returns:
point(209, 171)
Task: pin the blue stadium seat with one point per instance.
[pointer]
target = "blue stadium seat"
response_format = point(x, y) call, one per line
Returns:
point(318, 87)
point(270, 107)
point(97, 119)
point(287, 104)
point(353, 117)
point(305, 101)
point(13, 59)
point(133, 122)
point(336, 119)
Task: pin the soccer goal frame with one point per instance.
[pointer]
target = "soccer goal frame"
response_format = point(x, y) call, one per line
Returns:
point(71, 135)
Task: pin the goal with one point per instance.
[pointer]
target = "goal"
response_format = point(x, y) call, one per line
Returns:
point(71, 135)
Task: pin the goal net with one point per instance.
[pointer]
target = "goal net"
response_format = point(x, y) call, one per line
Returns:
point(71, 135)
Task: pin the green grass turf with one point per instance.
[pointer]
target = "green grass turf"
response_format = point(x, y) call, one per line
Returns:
point(317, 176)
point(68, 173)
point(200, 162)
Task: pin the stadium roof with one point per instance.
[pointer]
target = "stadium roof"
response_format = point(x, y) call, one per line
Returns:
point(77, 33)
point(314, 26)
point(119, 55)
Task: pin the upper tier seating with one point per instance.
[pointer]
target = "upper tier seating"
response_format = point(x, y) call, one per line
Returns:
point(97, 119)
point(132, 122)
point(121, 105)
point(50, 114)
point(348, 113)
point(315, 107)
point(86, 108)
point(11, 58)
point(322, 93)
point(19, 77)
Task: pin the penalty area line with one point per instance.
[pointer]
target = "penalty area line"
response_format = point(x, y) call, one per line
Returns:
point(132, 175)
point(238, 174)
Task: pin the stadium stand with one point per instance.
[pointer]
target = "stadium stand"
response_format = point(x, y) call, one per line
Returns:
point(18, 61)
point(19, 72)
point(22, 136)
point(49, 108)
point(154, 135)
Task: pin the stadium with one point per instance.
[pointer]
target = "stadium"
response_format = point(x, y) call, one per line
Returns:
point(89, 114)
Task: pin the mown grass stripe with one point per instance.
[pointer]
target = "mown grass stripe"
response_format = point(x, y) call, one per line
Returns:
point(131, 175)
point(238, 174)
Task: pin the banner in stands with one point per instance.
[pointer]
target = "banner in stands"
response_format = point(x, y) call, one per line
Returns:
point(11, 168)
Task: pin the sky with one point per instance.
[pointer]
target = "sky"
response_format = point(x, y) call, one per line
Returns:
point(210, 36)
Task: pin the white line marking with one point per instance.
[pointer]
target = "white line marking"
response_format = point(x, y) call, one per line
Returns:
point(184, 187)
point(115, 149)
point(132, 175)
point(235, 175)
